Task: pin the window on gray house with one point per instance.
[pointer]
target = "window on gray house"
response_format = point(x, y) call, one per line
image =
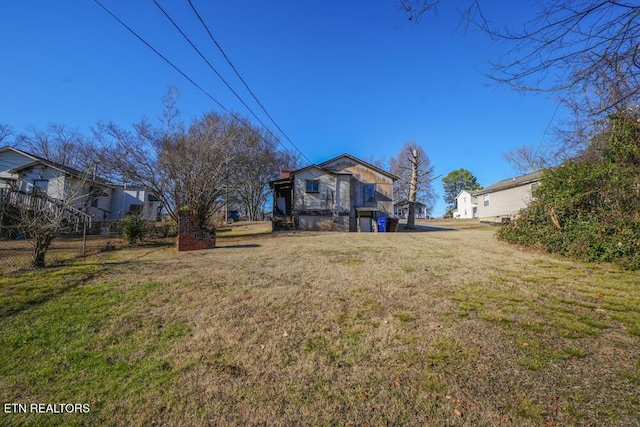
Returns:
point(485, 199)
point(369, 193)
point(313, 186)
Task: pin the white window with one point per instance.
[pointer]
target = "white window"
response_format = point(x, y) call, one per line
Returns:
point(534, 185)
point(485, 199)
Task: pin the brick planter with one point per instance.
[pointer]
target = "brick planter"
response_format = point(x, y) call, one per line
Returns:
point(191, 237)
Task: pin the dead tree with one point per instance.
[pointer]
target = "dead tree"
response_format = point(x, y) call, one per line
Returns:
point(413, 167)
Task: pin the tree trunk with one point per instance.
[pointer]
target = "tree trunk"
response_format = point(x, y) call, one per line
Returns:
point(413, 190)
point(39, 252)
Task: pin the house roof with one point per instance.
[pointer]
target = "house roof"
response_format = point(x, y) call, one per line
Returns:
point(362, 162)
point(40, 160)
point(323, 166)
point(511, 182)
point(473, 193)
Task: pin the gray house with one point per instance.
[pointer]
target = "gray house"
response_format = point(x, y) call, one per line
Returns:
point(341, 194)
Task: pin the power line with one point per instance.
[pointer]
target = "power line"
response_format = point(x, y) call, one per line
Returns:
point(242, 80)
point(181, 72)
point(217, 73)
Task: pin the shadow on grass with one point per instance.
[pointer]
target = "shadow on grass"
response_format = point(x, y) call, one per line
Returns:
point(423, 228)
point(248, 245)
point(23, 296)
point(28, 288)
point(236, 234)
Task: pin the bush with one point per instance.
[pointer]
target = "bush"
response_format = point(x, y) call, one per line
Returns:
point(133, 228)
point(589, 208)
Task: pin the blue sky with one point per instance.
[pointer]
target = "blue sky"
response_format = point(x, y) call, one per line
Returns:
point(337, 76)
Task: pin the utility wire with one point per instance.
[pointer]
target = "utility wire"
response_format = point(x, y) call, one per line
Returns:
point(217, 73)
point(180, 71)
point(242, 80)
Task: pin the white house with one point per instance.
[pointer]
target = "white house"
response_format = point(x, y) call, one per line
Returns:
point(401, 209)
point(100, 199)
point(467, 204)
point(502, 201)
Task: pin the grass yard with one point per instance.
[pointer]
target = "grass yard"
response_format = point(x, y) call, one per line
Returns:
point(423, 328)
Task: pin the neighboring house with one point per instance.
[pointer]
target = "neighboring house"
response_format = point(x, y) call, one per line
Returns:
point(102, 200)
point(134, 200)
point(401, 209)
point(467, 204)
point(503, 200)
point(342, 194)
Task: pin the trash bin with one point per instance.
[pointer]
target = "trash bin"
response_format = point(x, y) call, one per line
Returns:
point(382, 224)
point(392, 225)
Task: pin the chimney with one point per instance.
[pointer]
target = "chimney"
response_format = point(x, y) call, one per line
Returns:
point(285, 173)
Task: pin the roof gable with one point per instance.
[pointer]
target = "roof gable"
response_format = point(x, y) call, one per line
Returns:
point(328, 163)
point(472, 193)
point(40, 160)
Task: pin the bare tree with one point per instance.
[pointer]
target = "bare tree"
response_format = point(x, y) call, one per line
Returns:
point(185, 169)
point(40, 219)
point(527, 159)
point(59, 144)
point(587, 52)
point(5, 132)
point(414, 168)
point(256, 161)
point(415, 9)
point(381, 162)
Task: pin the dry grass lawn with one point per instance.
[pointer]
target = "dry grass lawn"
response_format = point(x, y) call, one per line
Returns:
point(292, 328)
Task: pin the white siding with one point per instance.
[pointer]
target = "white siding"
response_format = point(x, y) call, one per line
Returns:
point(122, 199)
point(10, 160)
point(466, 204)
point(505, 203)
point(55, 185)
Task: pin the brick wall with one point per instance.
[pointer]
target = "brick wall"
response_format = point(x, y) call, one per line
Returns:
point(191, 237)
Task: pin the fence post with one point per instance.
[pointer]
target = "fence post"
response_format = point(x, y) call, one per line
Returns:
point(84, 237)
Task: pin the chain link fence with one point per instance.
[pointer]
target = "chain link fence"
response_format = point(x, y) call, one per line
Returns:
point(17, 251)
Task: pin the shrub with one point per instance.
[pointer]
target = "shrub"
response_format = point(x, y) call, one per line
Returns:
point(133, 228)
point(589, 208)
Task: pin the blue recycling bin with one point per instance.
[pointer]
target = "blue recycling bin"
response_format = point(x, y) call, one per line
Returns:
point(382, 224)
